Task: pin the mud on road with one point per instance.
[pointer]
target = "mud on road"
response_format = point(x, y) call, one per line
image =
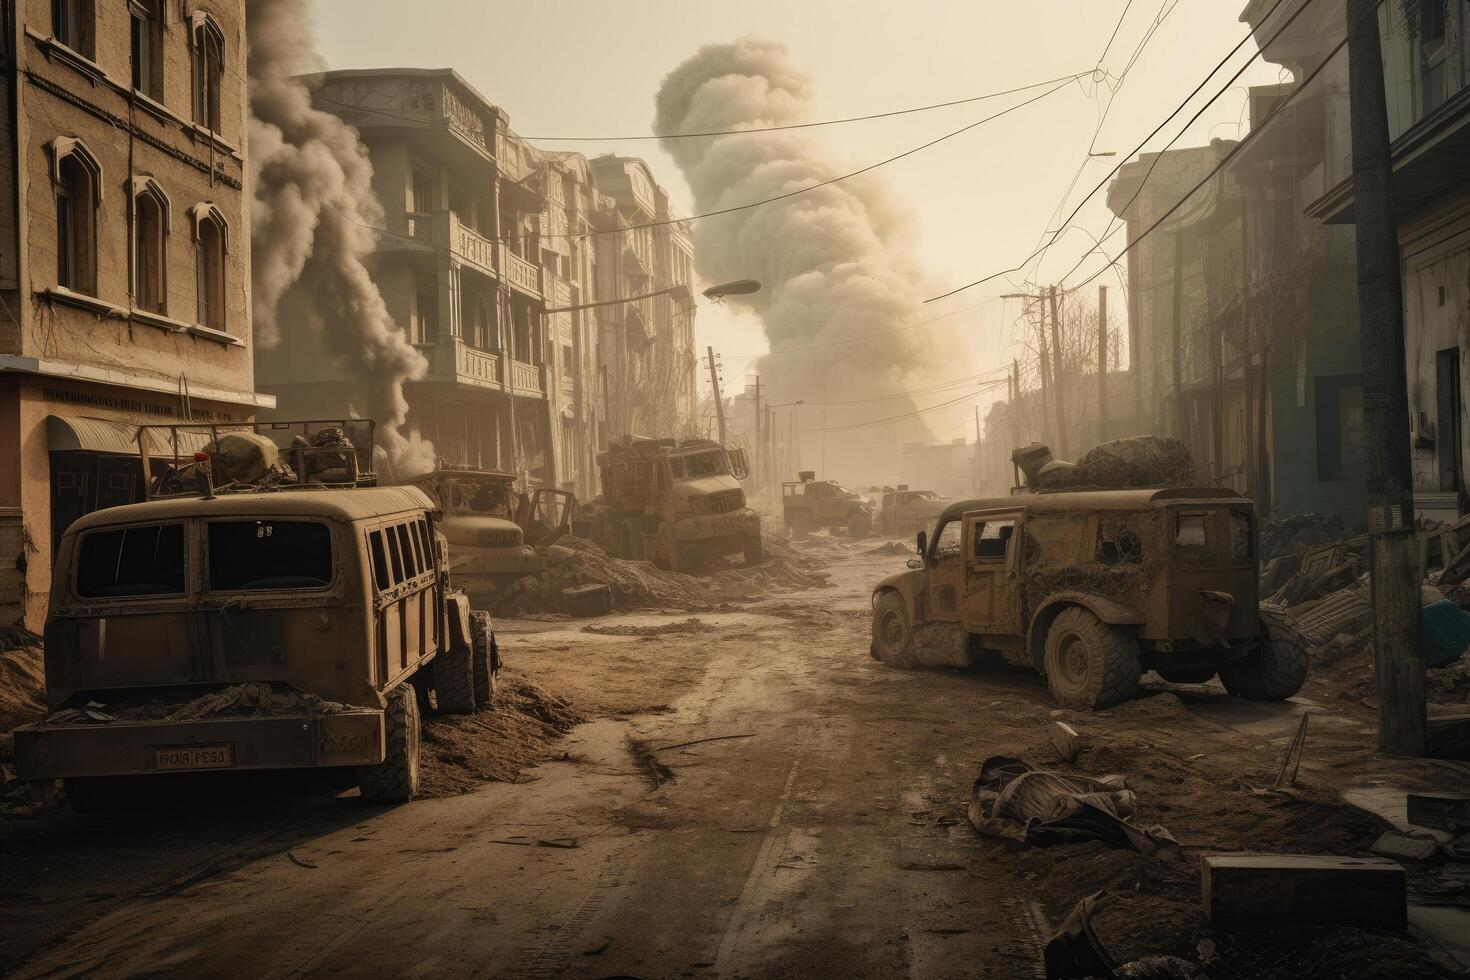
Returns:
point(747, 793)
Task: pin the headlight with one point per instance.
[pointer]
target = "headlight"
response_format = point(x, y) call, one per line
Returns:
point(700, 505)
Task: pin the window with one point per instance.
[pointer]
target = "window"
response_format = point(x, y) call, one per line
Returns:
point(1339, 403)
point(411, 566)
point(380, 561)
point(948, 543)
point(993, 539)
point(208, 60)
point(259, 555)
point(210, 245)
point(73, 23)
point(1193, 539)
point(475, 317)
point(1431, 42)
point(423, 193)
point(423, 328)
point(132, 561)
point(395, 555)
point(150, 256)
point(147, 22)
point(77, 177)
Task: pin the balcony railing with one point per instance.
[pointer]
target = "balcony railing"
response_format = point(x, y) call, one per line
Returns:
point(522, 275)
point(477, 367)
point(527, 378)
point(420, 226)
point(468, 245)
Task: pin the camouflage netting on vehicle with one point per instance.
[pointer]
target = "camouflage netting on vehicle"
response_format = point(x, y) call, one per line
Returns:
point(1138, 461)
point(574, 562)
point(245, 457)
point(1123, 582)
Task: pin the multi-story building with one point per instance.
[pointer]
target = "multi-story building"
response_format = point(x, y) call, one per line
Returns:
point(648, 345)
point(459, 266)
point(124, 256)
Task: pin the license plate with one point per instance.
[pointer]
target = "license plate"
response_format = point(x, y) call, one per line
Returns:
point(193, 757)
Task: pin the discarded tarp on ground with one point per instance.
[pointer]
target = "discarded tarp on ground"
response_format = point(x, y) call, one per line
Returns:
point(1013, 799)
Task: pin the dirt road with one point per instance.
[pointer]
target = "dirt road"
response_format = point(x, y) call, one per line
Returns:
point(754, 796)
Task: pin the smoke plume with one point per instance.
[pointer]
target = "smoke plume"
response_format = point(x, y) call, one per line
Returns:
point(834, 262)
point(312, 220)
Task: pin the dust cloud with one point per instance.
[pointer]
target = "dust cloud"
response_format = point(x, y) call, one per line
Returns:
point(313, 217)
point(835, 262)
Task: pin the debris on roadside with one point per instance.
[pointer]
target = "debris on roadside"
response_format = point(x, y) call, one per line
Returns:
point(1015, 800)
point(251, 699)
point(1066, 741)
point(462, 752)
point(1074, 951)
point(1259, 891)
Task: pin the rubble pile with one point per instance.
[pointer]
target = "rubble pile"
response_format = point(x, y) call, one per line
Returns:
point(576, 562)
point(1291, 534)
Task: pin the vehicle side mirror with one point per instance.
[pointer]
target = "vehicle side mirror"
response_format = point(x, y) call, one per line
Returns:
point(922, 541)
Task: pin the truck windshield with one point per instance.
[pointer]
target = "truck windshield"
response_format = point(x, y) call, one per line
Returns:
point(690, 466)
point(487, 499)
point(254, 555)
point(132, 561)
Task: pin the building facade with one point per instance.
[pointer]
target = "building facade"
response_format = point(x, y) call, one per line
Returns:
point(458, 266)
point(124, 256)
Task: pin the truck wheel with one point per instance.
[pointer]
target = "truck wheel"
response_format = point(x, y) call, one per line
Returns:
point(893, 633)
point(1276, 669)
point(1089, 664)
point(860, 525)
point(754, 553)
point(485, 658)
point(396, 778)
point(454, 679)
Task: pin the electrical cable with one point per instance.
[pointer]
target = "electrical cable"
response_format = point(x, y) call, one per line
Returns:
point(1157, 129)
point(969, 396)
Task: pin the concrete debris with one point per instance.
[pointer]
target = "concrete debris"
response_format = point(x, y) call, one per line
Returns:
point(1292, 534)
point(1263, 891)
point(1066, 741)
point(575, 565)
point(1418, 846)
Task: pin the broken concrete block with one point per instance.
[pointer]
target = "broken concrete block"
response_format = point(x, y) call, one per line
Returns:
point(1066, 741)
point(588, 600)
point(1405, 847)
point(1255, 891)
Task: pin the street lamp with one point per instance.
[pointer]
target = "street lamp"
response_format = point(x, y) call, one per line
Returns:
point(715, 293)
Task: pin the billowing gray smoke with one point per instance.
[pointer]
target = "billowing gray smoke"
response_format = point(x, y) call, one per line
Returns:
point(312, 217)
point(833, 261)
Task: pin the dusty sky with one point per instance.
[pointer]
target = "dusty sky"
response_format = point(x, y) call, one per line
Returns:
point(981, 200)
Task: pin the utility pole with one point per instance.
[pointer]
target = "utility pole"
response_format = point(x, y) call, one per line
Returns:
point(1057, 384)
point(714, 381)
point(1015, 412)
point(1393, 561)
point(1178, 333)
point(1046, 381)
point(1102, 364)
point(759, 457)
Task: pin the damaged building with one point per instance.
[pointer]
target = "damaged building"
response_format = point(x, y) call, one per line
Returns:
point(124, 257)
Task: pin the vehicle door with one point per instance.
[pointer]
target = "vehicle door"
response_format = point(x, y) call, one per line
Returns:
point(546, 515)
point(993, 549)
point(946, 578)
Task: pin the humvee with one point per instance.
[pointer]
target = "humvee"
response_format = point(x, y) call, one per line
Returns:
point(1091, 588)
point(285, 627)
point(904, 511)
point(809, 504)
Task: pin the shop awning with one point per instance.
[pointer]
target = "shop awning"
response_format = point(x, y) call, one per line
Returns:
point(77, 433)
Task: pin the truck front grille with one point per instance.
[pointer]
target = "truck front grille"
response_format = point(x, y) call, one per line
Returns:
point(498, 539)
point(722, 503)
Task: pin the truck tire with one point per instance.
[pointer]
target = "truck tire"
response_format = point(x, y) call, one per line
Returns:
point(860, 524)
point(396, 778)
point(485, 658)
point(1089, 664)
point(454, 679)
point(754, 551)
point(1276, 669)
point(893, 633)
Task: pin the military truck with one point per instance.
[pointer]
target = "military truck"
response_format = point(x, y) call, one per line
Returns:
point(905, 511)
point(494, 530)
point(674, 503)
point(1091, 588)
point(808, 504)
point(275, 625)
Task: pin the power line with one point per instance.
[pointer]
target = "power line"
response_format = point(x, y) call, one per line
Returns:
point(1114, 36)
point(1234, 151)
point(810, 125)
point(1112, 173)
point(969, 396)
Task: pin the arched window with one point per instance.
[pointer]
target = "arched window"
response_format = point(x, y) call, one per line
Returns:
point(208, 55)
point(150, 245)
point(211, 244)
point(77, 178)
